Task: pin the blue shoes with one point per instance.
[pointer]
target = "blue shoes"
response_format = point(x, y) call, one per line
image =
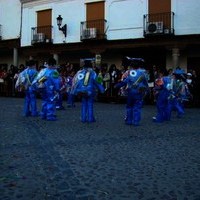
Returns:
point(132, 123)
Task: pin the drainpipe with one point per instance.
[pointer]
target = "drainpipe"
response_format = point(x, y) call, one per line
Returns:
point(20, 33)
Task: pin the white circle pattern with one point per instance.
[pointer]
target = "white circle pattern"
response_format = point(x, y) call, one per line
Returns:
point(133, 73)
point(80, 76)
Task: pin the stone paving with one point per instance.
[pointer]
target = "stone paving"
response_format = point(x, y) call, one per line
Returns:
point(106, 160)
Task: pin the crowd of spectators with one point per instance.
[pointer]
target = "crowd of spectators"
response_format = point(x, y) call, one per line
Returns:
point(110, 75)
point(8, 77)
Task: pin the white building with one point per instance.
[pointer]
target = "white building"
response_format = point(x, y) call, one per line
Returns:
point(165, 33)
point(10, 31)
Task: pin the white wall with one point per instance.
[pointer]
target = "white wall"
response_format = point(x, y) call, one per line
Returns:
point(10, 17)
point(72, 12)
point(125, 18)
point(187, 17)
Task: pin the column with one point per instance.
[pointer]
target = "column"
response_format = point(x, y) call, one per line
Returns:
point(175, 57)
point(30, 57)
point(15, 63)
point(55, 56)
point(15, 56)
point(98, 60)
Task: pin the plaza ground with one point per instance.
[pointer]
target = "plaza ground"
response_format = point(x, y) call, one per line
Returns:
point(105, 160)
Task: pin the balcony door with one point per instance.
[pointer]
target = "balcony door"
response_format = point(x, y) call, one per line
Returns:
point(159, 6)
point(44, 19)
point(95, 16)
point(158, 11)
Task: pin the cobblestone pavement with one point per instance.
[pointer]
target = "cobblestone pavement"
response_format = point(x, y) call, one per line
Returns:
point(106, 160)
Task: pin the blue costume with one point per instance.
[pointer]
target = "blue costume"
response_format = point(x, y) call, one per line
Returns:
point(59, 102)
point(48, 83)
point(137, 86)
point(70, 96)
point(24, 82)
point(162, 89)
point(180, 93)
point(84, 85)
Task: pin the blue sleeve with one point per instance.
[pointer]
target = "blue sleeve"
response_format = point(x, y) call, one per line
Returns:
point(56, 82)
point(99, 86)
point(146, 82)
point(120, 84)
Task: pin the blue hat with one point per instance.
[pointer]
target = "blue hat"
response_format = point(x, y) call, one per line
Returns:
point(135, 59)
point(88, 62)
point(179, 71)
point(134, 62)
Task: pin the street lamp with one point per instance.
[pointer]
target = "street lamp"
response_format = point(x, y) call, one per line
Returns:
point(59, 22)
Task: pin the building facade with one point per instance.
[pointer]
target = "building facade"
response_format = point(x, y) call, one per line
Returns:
point(165, 33)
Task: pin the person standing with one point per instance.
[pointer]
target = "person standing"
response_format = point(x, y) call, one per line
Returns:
point(180, 93)
point(70, 96)
point(59, 101)
point(196, 88)
point(162, 92)
point(48, 83)
point(24, 83)
point(113, 74)
point(137, 86)
point(85, 83)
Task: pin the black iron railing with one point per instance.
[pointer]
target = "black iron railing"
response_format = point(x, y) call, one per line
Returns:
point(42, 34)
point(94, 29)
point(159, 24)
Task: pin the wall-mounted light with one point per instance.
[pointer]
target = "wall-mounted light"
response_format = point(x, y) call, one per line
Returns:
point(59, 22)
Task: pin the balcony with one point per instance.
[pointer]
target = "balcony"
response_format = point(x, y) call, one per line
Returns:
point(41, 35)
point(93, 30)
point(159, 24)
point(0, 32)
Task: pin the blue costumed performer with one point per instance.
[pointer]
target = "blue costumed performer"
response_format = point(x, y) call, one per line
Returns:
point(85, 83)
point(162, 91)
point(137, 87)
point(24, 83)
point(179, 95)
point(48, 83)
